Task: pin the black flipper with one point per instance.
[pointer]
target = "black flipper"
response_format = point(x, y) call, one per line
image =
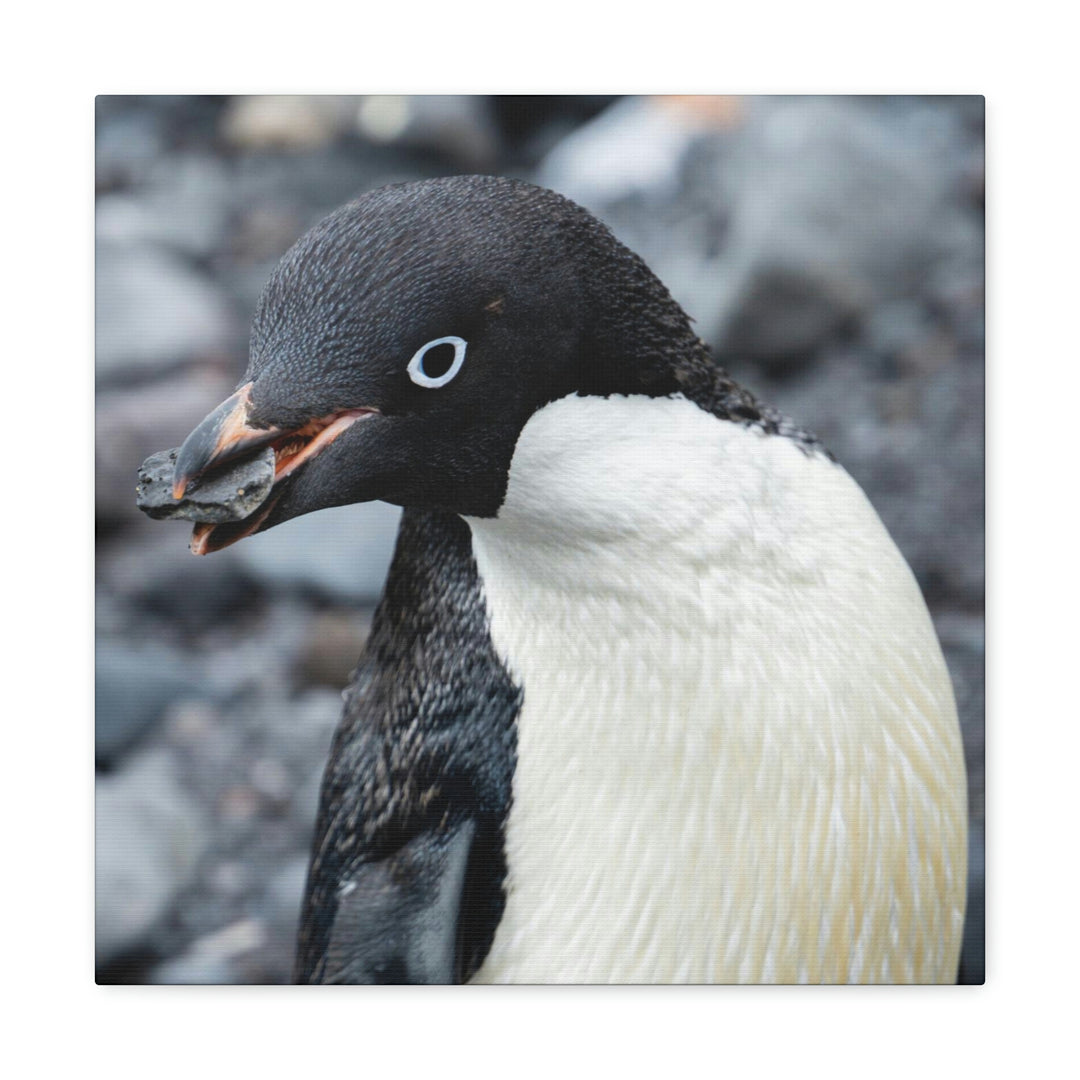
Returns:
point(397, 919)
point(407, 869)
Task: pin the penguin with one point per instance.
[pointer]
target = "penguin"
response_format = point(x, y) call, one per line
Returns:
point(650, 696)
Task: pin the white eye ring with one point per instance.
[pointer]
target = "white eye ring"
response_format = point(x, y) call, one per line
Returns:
point(416, 364)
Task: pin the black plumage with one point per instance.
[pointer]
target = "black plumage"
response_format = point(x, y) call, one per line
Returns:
point(424, 754)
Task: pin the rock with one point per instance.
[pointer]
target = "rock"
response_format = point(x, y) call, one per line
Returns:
point(332, 647)
point(778, 222)
point(973, 950)
point(271, 780)
point(927, 482)
point(635, 146)
point(286, 121)
point(782, 315)
point(183, 203)
point(342, 553)
point(849, 200)
point(212, 958)
point(230, 878)
point(280, 909)
point(150, 836)
point(531, 125)
point(127, 141)
point(154, 313)
point(225, 494)
point(134, 686)
point(458, 127)
point(196, 969)
point(300, 729)
point(147, 569)
point(898, 333)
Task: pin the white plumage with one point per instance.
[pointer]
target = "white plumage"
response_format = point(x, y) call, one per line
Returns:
point(738, 754)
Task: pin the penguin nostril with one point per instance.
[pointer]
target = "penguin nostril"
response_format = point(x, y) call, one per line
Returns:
point(438, 360)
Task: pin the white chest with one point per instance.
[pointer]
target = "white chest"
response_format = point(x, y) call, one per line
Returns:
point(738, 755)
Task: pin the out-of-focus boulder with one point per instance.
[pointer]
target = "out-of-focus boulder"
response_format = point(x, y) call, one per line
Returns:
point(341, 553)
point(458, 127)
point(280, 909)
point(212, 958)
point(290, 122)
point(183, 204)
point(154, 313)
point(973, 950)
point(150, 836)
point(128, 141)
point(134, 686)
point(837, 206)
point(531, 125)
point(635, 147)
point(332, 646)
point(149, 572)
point(777, 222)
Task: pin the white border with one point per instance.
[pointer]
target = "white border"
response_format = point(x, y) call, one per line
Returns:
point(58, 1021)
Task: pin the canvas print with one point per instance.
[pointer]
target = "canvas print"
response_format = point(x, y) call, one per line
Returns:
point(586, 496)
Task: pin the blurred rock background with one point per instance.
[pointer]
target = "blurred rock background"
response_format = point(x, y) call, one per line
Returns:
point(830, 250)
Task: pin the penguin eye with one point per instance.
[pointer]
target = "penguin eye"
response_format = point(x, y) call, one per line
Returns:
point(437, 362)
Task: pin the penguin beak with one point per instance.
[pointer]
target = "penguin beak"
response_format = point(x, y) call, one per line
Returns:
point(226, 436)
point(223, 436)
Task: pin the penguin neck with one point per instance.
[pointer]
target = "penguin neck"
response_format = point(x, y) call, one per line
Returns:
point(639, 341)
point(583, 510)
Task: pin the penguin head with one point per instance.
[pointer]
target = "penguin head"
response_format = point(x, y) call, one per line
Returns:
point(402, 344)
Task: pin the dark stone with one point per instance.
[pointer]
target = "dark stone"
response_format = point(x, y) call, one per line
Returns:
point(784, 316)
point(973, 951)
point(224, 495)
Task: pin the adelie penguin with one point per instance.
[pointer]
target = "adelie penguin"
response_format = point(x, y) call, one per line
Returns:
point(651, 695)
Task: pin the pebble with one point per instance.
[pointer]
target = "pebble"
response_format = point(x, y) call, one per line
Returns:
point(228, 493)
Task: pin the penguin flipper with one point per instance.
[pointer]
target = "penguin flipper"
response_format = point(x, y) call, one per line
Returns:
point(397, 918)
point(408, 864)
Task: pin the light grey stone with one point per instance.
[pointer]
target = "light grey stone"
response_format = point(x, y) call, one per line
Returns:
point(183, 205)
point(134, 686)
point(154, 312)
point(342, 553)
point(150, 836)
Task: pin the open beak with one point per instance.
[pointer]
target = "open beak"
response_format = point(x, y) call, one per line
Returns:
point(226, 436)
point(223, 436)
